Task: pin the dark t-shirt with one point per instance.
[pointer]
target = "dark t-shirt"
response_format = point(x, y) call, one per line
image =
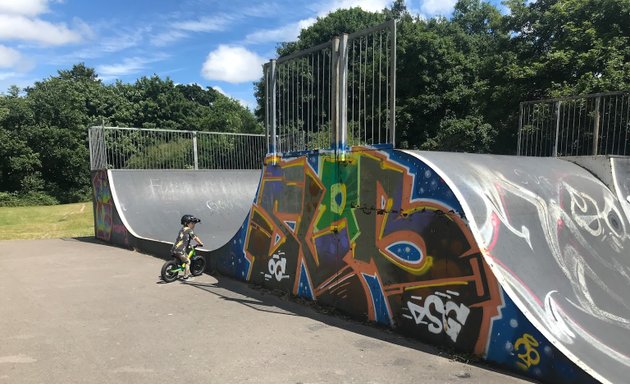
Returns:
point(183, 240)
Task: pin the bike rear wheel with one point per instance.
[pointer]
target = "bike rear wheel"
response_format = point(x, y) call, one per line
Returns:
point(197, 265)
point(170, 269)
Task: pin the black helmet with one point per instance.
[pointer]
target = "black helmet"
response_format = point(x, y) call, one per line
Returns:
point(189, 219)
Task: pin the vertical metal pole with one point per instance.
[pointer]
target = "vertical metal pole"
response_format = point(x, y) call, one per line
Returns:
point(267, 117)
point(103, 144)
point(342, 97)
point(555, 143)
point(92, 157)
point(596, 127)
point(624, 153)
point(392, 106)
point(334, 100)
point(273, 111)
point(195, 155)
point(520, 130)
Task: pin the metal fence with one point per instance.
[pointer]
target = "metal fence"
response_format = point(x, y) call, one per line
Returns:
point(597, 124)
point(299, 99)
point(336, 94)
point(135, 148)
point(372, 85)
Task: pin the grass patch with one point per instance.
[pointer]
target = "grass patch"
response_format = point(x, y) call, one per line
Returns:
point(47, 222)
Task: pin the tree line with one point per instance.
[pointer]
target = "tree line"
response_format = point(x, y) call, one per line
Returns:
point(44, 156)
point(459, 84)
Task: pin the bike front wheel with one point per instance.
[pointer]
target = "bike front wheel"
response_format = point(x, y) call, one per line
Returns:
point(170, 269)
point(197, 265)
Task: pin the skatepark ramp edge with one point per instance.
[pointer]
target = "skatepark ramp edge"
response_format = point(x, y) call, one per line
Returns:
point(474, 252)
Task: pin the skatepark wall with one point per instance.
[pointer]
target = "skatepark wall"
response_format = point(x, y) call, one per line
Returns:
point(381, 236)
point(519, 261)
point(141, 209)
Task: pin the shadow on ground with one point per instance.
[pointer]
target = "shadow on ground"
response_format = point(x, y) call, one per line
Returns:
point(279, 303)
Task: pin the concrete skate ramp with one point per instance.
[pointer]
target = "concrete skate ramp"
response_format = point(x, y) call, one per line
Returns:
point(557, 239)
point(151, 202)
point(613, 171)
point(621, 180)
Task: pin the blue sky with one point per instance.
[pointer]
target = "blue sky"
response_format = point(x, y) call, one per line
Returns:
point(221, 44)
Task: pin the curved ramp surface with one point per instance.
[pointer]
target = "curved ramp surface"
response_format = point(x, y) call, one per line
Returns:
point(621, 180)
point(522, 261)
point(151, 202)
point(559, 242)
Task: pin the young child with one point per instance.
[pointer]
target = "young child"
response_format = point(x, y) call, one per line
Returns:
point(182, 243)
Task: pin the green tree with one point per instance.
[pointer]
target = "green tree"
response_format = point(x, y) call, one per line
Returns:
point(19, 165)
point(447, 72)
point(569, 47)
point(228, 115)
point(44, 133)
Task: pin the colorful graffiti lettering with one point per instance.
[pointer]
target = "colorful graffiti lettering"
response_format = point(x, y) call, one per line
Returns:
point(450, 317)
point(530, 356)
point(373, 237)
point(107, 224)
point(103, 206)
point(277, 267)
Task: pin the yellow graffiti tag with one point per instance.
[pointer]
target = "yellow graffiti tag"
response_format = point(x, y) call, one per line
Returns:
point(531, 355)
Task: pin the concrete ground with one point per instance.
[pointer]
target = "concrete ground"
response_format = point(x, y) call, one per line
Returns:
point(77, 311)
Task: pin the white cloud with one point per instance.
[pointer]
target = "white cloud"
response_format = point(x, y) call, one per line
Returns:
point(112, 44)
point(7, 75)
point(438, 7)
point(366, 5)
point(23, 7)
point(288, 32)
point(126, 67)
point(122, 40)
point(205, 24)
point(182, 29)
point(233, 64)
point(12, 58)
point(166, 38)
point(16, 27)
point(9, 57)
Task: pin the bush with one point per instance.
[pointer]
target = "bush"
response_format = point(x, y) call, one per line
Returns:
point(470, 134)
point(15, 199)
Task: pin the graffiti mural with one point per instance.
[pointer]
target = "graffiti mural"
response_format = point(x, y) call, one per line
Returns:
point(383, 237)
point(107, 223)
point(582, 227)
point(103, 206)
point(557, 239)
point(516, 343)
point(379, 236)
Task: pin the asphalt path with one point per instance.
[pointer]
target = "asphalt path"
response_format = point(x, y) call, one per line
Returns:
point(79, 311)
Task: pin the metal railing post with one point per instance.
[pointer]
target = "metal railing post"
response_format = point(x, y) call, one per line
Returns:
point(520, 130)
point(195, 155)
point(91, 148)
point(274, 123)
point(266, 68)
point(334, 100)
point(596, 126)
point(392, 106)
point(342, 95)
point(554, 152)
